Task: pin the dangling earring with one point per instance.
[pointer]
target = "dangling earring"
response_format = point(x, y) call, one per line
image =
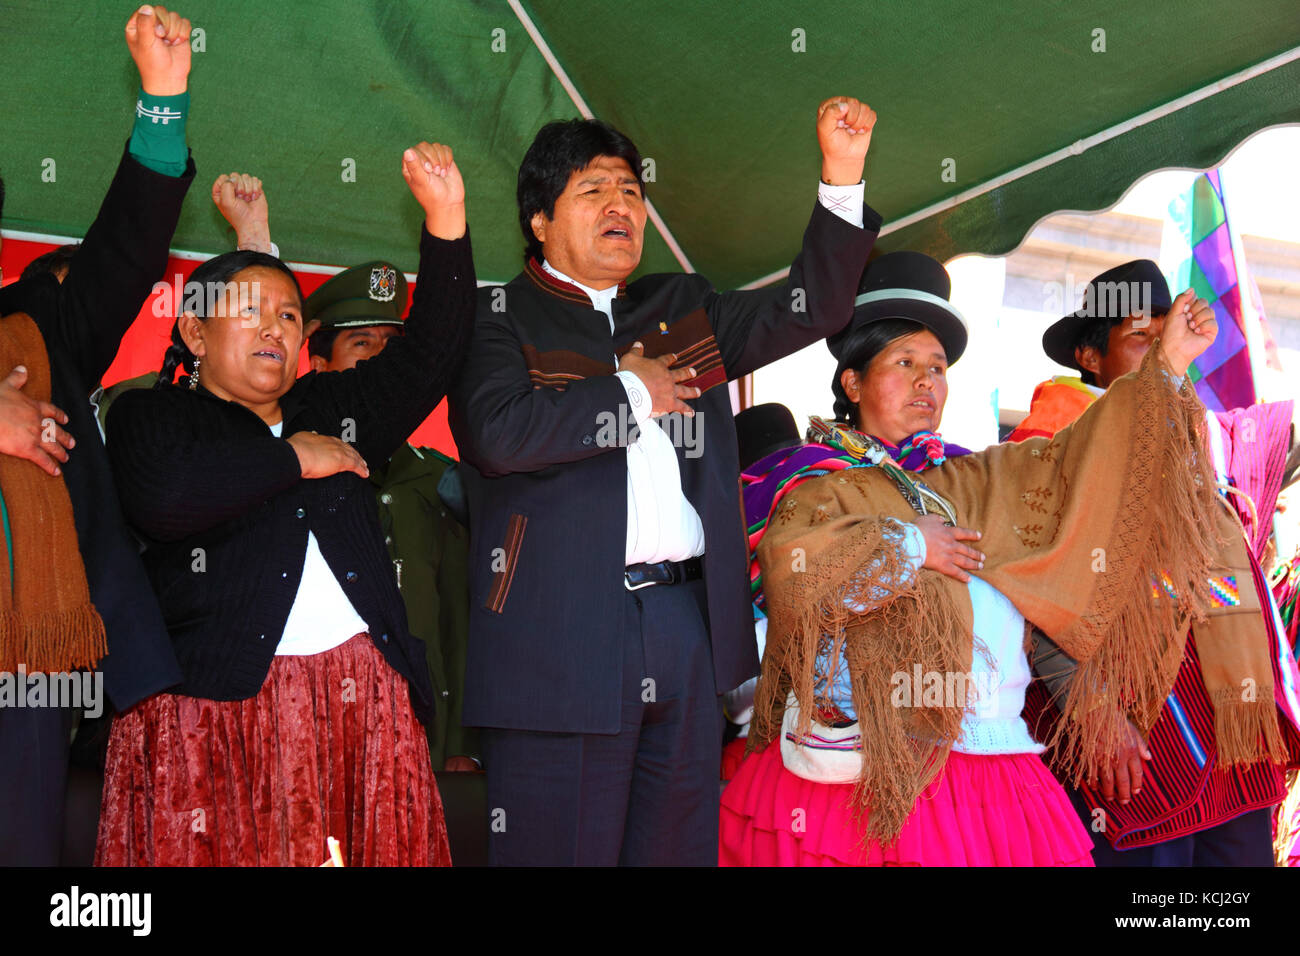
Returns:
point(194, 376)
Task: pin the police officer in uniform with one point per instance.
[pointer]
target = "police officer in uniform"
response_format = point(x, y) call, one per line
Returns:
point(418, 496)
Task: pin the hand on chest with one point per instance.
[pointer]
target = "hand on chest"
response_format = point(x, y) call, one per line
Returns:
point(560, 355)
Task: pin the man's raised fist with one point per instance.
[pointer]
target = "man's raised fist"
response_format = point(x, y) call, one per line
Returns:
point(159, 41)
point(1190, 328)
point(844, 133)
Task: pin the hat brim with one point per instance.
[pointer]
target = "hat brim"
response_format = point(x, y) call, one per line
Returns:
point(935, 313)
point(1060, 338)
point(364, 321)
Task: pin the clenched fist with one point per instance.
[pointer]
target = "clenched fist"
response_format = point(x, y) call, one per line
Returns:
point(1190, 328)
point(430, 171)
point(159, 41)
point(844, 133)
point(242, 202)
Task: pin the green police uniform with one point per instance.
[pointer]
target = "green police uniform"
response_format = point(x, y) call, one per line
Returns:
point(430, 553)
point(105, 396)
point(428, 546)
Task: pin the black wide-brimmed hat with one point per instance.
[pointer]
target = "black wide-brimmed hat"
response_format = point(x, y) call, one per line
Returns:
point(905, 285)
point(1134, 288)
point(763, 429)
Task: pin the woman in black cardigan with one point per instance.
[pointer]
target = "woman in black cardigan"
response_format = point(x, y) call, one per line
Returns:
point(298, 718)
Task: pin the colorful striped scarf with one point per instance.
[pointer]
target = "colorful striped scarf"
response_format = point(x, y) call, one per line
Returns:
point(831, 447)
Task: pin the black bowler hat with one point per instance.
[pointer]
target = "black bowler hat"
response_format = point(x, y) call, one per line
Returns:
point(370, 294)
point(906, 285)
point(763, 429)
point(1134, 288)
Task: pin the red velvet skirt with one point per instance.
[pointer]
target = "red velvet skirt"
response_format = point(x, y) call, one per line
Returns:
point(329, 747)
point(1005, 810)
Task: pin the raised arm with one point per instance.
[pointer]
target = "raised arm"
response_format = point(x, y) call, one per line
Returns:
point(1104, 536)
point(382, 400)
point(757, 327)
point(125, 251)
point(241, 200)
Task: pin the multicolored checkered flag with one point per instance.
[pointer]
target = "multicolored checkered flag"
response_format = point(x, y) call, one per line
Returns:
point(1200, 250)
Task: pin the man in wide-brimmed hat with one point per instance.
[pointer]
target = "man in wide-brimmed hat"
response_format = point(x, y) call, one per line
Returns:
point(1123, 312)
point(1167, 800)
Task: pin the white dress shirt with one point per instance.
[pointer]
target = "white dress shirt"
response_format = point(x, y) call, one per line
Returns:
point(662, 525)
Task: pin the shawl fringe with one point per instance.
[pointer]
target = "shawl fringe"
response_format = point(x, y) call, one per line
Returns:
point(1131, 639)
point(1125, 624)
point(53, 641)
point(47, 620)
point(1246, 732)
point(909, 619)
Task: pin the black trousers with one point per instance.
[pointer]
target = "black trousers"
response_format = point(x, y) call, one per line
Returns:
point(1245, 840)
point(34, 744)
point(647, 795)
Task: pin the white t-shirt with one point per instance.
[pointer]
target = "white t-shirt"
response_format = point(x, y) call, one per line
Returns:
point(322, 617)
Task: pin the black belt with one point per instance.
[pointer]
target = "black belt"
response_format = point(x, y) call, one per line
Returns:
point(637, 576)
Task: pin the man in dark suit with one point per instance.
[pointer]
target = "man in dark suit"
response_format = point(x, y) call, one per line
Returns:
point(608, 590)
point(81, 320)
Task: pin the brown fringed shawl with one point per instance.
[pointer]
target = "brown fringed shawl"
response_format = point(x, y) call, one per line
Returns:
point(47, 622)
point(1076, 529)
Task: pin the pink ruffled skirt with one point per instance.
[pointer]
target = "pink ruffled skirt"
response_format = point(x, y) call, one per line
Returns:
point(1004, 810)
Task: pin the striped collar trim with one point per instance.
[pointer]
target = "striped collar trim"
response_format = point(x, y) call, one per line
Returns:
point(558, 287)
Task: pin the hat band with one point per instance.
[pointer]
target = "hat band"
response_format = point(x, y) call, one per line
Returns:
point(915, 295)
point(364, 322)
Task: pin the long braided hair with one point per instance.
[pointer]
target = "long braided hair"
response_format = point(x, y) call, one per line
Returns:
point(210, 275)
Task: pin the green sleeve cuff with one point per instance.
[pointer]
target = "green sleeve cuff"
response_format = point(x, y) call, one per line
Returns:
point(158, 140)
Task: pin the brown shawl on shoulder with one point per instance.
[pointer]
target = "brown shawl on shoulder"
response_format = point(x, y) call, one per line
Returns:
point(1076, 529)
point(47, 622)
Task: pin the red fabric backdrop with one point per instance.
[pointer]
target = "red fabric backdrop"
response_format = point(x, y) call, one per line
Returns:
point(144, 343)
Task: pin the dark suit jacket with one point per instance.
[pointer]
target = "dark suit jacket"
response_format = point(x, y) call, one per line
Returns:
point(540, 416)
point(83, 321)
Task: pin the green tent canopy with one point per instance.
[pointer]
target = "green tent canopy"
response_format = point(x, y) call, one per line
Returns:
point(991, 116)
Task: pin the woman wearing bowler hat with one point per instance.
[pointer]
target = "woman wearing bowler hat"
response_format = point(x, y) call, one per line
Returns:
point(897, 573)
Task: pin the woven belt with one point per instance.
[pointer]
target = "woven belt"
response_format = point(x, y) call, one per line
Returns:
point(638, 576)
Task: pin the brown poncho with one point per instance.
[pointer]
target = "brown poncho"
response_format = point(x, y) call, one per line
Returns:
point(1088, 533)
